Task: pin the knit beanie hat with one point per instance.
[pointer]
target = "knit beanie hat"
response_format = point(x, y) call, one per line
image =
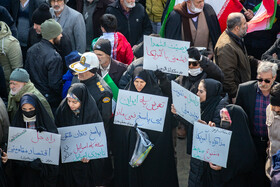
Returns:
point(19, 75)
point(103, 45)
point(41, 14)
point(50, 29)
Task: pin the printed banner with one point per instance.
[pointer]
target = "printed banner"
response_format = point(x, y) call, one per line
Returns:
point(147, 110)
point(211, 144)
point(166, 55)
point(83, 141)
point(186, 103)
point(28, 145)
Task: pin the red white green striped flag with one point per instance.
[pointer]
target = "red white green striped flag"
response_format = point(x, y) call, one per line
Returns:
point(264, 16)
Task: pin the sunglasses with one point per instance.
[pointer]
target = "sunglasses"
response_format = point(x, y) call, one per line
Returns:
point(195, 63)
point(265, 80)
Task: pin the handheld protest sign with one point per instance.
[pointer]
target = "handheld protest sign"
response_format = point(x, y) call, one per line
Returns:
point(147, 110)
point(166, 55)
point(28, 145)
point(83, 141)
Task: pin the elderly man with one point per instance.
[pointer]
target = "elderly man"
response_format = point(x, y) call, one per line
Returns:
point(253, 97)
point(196, 22)
point(46, 73)
point(19, 85)
point(102, 49)
point(231, 55)
point(133, 21)
point(72, 23)
point(273, 122)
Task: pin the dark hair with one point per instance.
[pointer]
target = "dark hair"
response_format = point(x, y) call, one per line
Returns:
point(275, 90)
point(109, 22)
point(233, 22)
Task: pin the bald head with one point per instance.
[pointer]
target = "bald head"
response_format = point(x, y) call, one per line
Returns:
point(234, 19)
point(236, 23)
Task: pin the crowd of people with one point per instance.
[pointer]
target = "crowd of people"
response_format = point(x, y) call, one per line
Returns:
point(55, 55)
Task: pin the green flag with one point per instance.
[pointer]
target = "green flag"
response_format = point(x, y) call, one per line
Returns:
point(112, 85)
point(170, 8)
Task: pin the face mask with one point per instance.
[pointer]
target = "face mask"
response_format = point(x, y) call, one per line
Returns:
point(195, 72)
point(194, 9)
point(225, 124)
point(29, 114)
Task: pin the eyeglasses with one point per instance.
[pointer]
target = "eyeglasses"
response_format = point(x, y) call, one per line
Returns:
point(265, 80)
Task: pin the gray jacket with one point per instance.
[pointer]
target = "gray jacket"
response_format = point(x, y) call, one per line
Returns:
point(73, 24)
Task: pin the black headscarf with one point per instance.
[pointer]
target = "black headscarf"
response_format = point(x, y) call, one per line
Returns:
point(151, 86)
point(213, 96)
point(89, 112)
point(43, 120)
point(242, 153)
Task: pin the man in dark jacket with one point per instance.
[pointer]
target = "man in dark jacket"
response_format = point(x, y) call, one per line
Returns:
point(102, 49)
point(133, 21)
point(253, 97)
point(44, 64)
point(199, 21)
point(41, 14)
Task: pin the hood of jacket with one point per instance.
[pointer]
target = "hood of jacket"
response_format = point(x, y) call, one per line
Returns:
point(4, 30)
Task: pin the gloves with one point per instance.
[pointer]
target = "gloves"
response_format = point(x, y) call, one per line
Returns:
point(160, 75)
point(40, 129)
point(194, 53)
point(36, 164)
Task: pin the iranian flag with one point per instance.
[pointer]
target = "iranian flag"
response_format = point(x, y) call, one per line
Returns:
point(264, 16)
point(223, 8)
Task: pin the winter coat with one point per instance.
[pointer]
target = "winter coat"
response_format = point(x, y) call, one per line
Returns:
point(13, 100)
point(173, 28)
point(10, 52)
point(46, 73)
point(73, 24)
point(234, 62)
point(135, 26)
point(155, 9)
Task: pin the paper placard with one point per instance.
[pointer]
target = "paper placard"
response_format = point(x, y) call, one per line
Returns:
point(28, 145)
point(211, 144)
point(83, 141)
point(186, 103)
point(166, 55)
point(147, 110)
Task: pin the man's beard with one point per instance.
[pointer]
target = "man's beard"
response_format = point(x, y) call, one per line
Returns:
point(16, 91)
point(56, 41)
point(129, 5)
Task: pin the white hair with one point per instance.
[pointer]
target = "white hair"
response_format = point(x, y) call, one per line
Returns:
point(266, 66)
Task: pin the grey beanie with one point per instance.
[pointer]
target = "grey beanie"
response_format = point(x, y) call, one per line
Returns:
point(20, 75)
point(50, 29)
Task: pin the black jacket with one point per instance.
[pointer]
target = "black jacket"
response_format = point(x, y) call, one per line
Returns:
point(275, 48)
point(102, 94)
point(64, 48)
point(173, 25)
point(44, 66)
point(133, 28)
point(116, 70)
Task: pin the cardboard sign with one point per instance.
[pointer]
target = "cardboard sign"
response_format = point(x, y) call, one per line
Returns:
point(186, 103)
point(28, 145)
point(147, 110)
point(211, 144)
point(83, 141)
point(166, 55)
